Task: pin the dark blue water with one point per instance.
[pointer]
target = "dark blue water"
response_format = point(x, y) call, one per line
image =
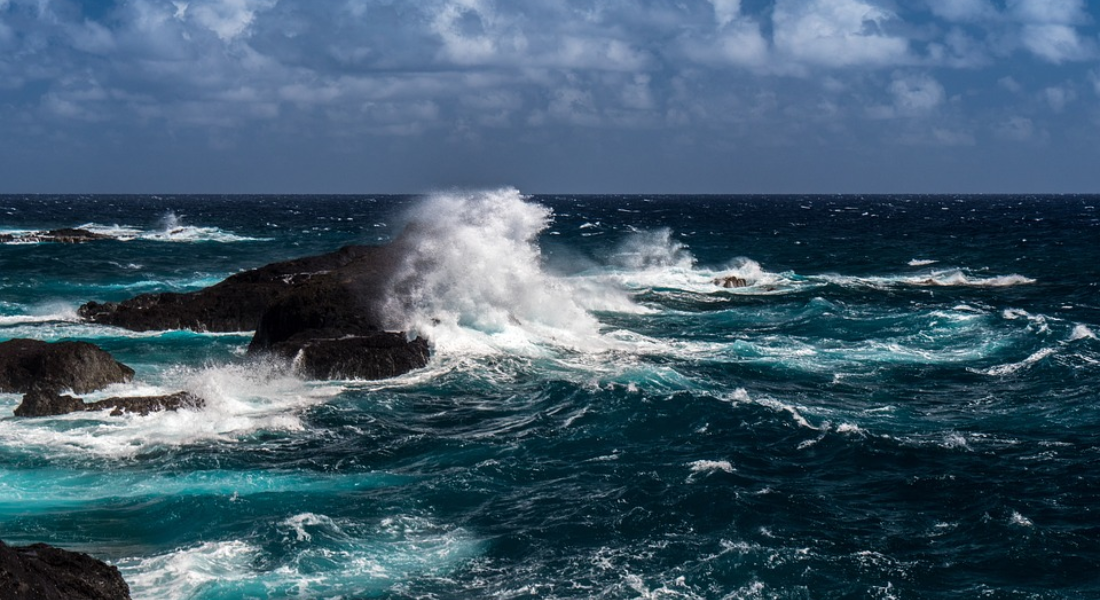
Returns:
point(903, 401)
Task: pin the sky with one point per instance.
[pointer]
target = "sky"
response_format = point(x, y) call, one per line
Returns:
point(550, 96)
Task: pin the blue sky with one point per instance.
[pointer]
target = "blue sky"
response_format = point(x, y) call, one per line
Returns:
point(709, 96)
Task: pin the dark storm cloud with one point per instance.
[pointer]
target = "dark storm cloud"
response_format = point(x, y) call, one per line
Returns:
point(697, 95)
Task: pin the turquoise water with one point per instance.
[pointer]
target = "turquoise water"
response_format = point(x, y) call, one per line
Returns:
point(901, 403)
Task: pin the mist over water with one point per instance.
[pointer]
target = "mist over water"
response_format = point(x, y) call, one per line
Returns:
point(896, 397)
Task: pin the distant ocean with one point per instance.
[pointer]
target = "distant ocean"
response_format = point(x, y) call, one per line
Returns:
point(900, 401)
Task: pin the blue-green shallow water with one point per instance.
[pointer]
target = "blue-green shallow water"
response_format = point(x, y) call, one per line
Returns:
point(901, 403)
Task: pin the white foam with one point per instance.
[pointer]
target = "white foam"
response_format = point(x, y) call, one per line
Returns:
point(707, 466)
point(1081, 332)
point(329, 558)
point(921, 262)
point(240, 400)
point(1011, 368)
point(473, 282)
point(171, 229)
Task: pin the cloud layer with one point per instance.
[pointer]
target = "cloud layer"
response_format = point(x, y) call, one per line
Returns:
point(269, 95)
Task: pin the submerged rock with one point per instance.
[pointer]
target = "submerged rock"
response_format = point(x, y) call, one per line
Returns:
point(43, 572)
point(48, 403)
point(78, 366)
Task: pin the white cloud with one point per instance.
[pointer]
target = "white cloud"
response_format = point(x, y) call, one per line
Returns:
point(726, 11)
point(228, 19)
point(1058, 97)
point(1016, 128)
point(1010, 84)
point(916, 94)
point(963, 10)
point(837, 33)
point(1056, 43)
point(1064, 12)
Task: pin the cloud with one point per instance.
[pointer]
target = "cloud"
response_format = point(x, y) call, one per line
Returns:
point(228, 19)
point(837, 33)
point(963, 10)
point(916, 94)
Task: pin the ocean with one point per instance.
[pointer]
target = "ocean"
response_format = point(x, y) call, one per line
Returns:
point(899, 400)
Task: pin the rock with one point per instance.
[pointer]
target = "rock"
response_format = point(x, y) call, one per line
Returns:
point(235, 304)
point(78, 366)
point(731, 281)
point(42, 572)
point(144, 405)
point(329, 326)
point(46, 403)
point(66, 235)
point(375, 356)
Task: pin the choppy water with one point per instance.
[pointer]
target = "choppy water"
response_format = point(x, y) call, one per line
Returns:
point(902, 403)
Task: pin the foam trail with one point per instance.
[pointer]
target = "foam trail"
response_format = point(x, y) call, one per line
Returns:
point(240, 400)
point(327, 558)
point(472, 279)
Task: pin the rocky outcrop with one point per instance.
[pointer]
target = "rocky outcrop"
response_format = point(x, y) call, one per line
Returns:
point(78, 366)
point(48, 403)
point(329, 326)
point(42, 572)
point(731, 281)
point(235, 304)
point(322, 312)
point(66, 235)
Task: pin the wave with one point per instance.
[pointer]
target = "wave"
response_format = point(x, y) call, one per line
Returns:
point(328, 557)
point(241, 400)
point(940, 278)
point(171, 228)
point(472, 279)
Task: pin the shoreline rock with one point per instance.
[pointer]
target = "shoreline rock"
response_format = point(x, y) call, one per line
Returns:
point(47, 403)
point(44, 572)
point(82, 367)
point(234, 304)
point(321, 312)
point(65, 235)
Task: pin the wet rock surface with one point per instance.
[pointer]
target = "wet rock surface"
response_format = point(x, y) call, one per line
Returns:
point(43, 572)
point(78, 366)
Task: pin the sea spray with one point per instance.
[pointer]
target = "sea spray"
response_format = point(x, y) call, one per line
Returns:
point(472, 278)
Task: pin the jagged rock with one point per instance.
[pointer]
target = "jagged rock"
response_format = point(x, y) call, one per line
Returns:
point(322, 311)
point(329, 326)
point(144, 405)
point(376, 356)
point(65, 235)
point(42, 572)
point(731, 281)
point(235, 304)
point(77, 366)
point(47, 403)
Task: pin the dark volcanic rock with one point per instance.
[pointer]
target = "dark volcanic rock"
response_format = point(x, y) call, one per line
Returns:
point(322, 311)
point(78, 366)
point(235, 304)
point(731, 281)
point(144, 405)
point(41, 572)
point(48, 403)
point(329, 325)
point(375, 356)
point(66, 235)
